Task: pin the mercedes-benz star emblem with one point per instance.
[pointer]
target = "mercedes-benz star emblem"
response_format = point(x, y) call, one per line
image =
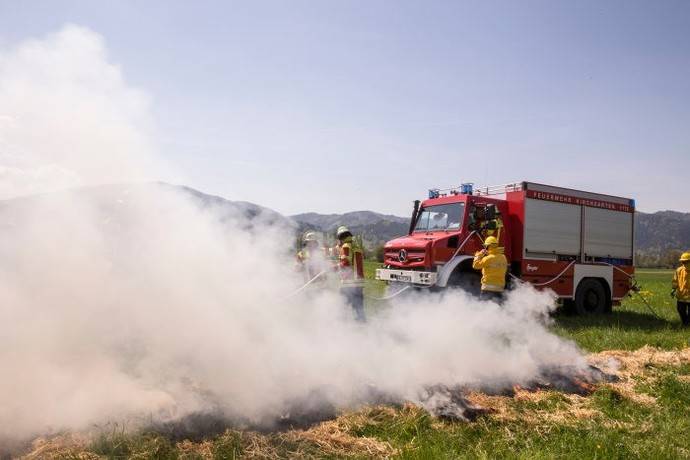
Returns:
point(402, 255)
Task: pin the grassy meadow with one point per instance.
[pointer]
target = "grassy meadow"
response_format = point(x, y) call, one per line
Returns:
point(632, 325)
point(646, 414)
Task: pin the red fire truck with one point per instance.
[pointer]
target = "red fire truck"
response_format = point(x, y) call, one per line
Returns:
point(578, 244)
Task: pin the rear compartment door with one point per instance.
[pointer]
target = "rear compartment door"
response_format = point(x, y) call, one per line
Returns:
point(608, 233)
point(551, 228)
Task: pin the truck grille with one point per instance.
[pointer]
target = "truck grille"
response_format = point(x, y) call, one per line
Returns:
point(409, 256)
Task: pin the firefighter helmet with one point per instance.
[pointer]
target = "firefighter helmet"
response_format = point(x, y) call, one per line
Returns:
point(490, 241)
point(342, 230)
point(309, 236)
point(685, 257)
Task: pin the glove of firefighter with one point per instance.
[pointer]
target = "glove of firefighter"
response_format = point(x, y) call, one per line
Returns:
point(673, 292)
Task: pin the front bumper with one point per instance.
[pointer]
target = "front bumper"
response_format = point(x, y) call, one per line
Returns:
point(406, 276)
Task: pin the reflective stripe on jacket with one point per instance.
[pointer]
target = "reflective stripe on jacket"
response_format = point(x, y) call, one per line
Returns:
point(310, 264)
point(681, 283)
point(351, 262)
point(494, 266)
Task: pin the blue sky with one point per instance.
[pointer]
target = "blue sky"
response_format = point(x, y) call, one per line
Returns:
point(336, 106)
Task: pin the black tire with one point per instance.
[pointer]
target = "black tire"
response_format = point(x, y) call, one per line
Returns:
point(469, 282)
point(590, 298)
point(568, 307)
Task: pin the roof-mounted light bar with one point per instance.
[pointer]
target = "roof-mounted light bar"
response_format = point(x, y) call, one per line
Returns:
point(466, 188)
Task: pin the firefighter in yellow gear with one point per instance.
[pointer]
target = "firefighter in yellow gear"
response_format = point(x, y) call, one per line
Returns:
point(681, 288)
point(350, 266)
point(308, 257)
point(494, 266)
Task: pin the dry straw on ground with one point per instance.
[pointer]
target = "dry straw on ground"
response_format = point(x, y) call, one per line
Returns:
point(338, 437)
point(73, 446)
point(635, 366)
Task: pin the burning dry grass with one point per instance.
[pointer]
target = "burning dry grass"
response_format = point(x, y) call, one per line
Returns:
point(349, 435)
point(73, 446)
point(631, 363)
point(634, 367)
point(335, 438)
point(535, 407)
point(332, 438)
point(631, 367)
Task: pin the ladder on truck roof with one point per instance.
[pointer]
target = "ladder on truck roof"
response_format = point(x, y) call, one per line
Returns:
point(493, 190)
point(468, 189)
point(499, 189)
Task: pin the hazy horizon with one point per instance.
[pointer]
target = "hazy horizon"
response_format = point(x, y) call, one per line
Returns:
point(331, 107)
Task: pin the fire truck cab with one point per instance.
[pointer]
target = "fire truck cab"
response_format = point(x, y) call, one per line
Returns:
point(578, 244)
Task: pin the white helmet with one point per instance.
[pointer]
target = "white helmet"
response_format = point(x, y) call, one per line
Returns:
point(341, 231)
point(309, 236)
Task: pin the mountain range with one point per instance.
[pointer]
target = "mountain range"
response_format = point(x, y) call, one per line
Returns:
point(659, 236)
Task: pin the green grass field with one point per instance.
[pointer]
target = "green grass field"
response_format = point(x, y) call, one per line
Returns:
point(646, 415)
point(623, 428)
point(630, 326)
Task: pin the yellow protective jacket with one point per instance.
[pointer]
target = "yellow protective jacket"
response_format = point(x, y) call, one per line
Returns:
point(310, 264)
point(681, 283)
point(494, 266)
point(351, 263)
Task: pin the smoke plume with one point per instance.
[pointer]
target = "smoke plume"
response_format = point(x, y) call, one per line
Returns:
point(132, 302)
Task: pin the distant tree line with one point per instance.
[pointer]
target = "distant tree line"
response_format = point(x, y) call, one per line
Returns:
point(657, 258)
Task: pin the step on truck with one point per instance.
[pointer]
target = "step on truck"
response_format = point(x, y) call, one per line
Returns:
point(578, 244)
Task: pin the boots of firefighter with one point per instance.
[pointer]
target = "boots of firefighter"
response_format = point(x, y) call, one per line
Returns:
point(355, 297)
point(493, 296)
point(684, 312)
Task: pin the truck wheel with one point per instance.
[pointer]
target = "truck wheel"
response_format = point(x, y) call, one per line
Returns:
point(469, 282)
point(590, 298)
point(568, 307)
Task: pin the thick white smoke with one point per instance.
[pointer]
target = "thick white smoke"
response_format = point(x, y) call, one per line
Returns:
point(129, 301)
point(67, 117)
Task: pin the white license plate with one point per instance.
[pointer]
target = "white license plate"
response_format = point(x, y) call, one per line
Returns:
point(406, 278)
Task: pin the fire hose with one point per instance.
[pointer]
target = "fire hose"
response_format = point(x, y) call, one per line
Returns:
point(390, 296)
point(317, 276)
point(387, 297)
point(533, 284)
point(465, 241)
point(635, 287)
point(397, 293)
point(549, 281)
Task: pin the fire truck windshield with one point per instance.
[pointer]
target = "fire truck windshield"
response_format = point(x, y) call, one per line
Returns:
point(440, 217)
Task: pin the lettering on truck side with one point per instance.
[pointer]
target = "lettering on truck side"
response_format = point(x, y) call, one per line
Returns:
point(557, 197)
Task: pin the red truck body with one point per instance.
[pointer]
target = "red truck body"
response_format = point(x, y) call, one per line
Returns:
point(578, 244)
